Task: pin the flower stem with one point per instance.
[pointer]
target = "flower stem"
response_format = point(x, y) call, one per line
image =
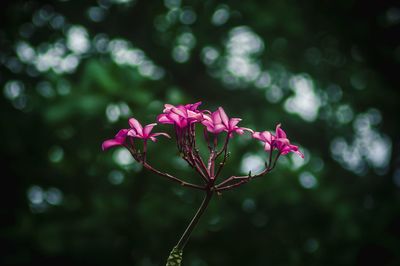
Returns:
point(185, 237)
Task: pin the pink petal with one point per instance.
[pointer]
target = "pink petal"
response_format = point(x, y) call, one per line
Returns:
point(282, 141)
point(257, 135)
point(218, 128)
point(239, 131)
point(299, 153)
point(193, 106)
point(210, 128)
point(267, 136)
point(147, 129)
point(233, 122)
point(177, 120)
point(247, 129)
point(267, 146)
point(284, 151)
point(164, 119)
point(180, 111)
point(263, 136)
point(136, 125)
point(110, 143)
point(295, 149)
point(207, 123)
point(121, 135)
point(279, 132)
point(224, 117)
point(216, 117)
point(133, 133)
point(206, 117)
point(193, 115)
point(153, 139)
point(168, 107)
point(160, 134)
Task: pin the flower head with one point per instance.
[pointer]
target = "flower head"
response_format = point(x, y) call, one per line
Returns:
point(265, 137)
point(181, 115)
point(278, 141)
point(118, 140)
point(218, 121)
point(137, 131)
point(282, 143)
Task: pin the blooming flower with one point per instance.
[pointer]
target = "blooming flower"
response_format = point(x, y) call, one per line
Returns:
point(265, 137)
point(181, 115)
point(218, 121)
point(118, 140)
point(136, 131)
point(278, 141)
point(282, 143)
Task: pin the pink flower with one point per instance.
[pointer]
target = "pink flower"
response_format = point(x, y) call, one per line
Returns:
point(282, 143)
point(218, 121)
point(181, 115)
point(137, 131)
point(118, 140)
point(265, 137)
point(278, 141)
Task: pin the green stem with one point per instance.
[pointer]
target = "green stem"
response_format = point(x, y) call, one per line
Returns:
point(185, 237)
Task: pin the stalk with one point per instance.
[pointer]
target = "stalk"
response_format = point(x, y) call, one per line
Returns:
point(175, 256)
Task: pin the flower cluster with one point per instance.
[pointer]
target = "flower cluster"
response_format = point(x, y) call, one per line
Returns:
point(216, 126)
point(184, 119)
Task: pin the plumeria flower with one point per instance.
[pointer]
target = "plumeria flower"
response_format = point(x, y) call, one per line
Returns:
point(137, 131)
point(278, 141)
point(265, 137)
point(118, 140)
point(282, 143)
point(181, 115)
point(218, 121)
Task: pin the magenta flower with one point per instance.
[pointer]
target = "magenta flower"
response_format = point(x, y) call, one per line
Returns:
point(137, 131)
point(279, 141)
point(181, 115)
point(218, 121)
point(118, 140)
point(282, 143)
point(265, 137)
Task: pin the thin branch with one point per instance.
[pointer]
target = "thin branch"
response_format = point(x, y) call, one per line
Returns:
point(171, 177)
point(228, 187)
point(210, 165)
point(224, 148)
point(245, 177)
point(200, 167)
point(194, 152)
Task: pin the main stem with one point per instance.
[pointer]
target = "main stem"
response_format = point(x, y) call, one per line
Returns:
point(185, 237)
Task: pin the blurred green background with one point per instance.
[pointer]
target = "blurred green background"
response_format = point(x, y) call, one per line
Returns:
point(73, 72)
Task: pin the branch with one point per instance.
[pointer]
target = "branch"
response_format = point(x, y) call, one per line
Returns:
point(233, 185)
point(242, 180)
point(225, 147)
point(195, 156)
point(171, 177)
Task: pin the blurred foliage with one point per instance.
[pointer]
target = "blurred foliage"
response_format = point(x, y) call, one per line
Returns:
point(72, 72)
